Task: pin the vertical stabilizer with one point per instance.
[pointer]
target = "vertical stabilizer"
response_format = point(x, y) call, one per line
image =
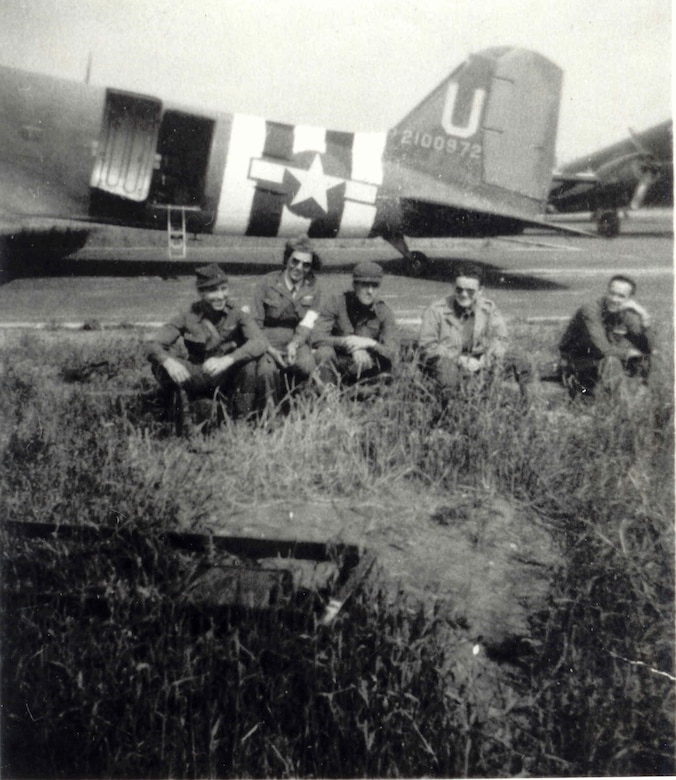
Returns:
point(485, 136)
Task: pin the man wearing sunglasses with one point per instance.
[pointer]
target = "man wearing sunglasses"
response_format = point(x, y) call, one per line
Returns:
point(356, 336)
point(282, 300)
point(464, 333)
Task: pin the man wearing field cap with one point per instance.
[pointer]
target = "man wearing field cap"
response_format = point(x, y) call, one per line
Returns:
point(356, 336)
point(212, 346)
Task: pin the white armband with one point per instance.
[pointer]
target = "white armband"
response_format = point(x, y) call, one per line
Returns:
point(309, 319)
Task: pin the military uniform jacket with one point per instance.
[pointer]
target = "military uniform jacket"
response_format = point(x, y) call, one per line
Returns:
point(206, 333)
point(594, 332)
point(343, 315)
point(441, 331)
point(277, 311)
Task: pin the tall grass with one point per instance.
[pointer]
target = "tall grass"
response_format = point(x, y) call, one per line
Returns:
point(117, 676)
point(149, 688)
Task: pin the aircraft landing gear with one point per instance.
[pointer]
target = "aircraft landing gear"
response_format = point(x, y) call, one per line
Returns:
point(5, 271)
point(415, 263)
point(608, 223)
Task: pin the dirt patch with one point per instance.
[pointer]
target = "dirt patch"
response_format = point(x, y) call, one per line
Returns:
point(482, 562)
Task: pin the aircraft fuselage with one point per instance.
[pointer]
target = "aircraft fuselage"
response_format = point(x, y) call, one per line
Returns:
point(467, 159)
point(78, 152)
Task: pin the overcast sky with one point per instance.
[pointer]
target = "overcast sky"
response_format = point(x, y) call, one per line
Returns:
point(352, 64)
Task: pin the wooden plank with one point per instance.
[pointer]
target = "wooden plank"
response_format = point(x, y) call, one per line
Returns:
point(358, 575)
point(242, 546)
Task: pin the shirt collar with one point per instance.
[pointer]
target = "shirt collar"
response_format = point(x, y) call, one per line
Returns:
point(358, 305)
point(460, 313)
point(290, 286)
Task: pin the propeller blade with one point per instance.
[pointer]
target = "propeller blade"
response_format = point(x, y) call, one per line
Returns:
point(642, 187)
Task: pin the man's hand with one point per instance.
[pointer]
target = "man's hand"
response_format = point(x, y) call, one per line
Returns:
point(217, 365)
point(178, 373)
point(362, 360)
point(469, 363)
point(631, 305)
point(277, 356)
point(352, 343)
point(291, 352)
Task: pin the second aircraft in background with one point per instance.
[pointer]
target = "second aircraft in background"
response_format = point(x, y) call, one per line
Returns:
point(636, 172)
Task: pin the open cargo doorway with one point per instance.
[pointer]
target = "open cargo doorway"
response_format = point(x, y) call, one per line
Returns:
point(183, 149)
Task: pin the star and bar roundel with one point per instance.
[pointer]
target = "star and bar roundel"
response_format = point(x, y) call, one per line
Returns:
point(281, 180)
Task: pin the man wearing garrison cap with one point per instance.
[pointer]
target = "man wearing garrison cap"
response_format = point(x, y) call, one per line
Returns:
point(222, 343)
point(356, 335)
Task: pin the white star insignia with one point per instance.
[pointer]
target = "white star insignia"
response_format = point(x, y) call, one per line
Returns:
point(313, 184)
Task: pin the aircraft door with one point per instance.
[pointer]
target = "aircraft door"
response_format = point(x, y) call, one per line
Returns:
point(183, 148)
point(126, 151)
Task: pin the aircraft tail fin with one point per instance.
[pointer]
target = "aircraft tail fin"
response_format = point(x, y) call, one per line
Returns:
point(487, 133)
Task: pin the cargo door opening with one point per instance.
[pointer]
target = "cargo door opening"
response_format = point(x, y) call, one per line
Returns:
point(183, 148)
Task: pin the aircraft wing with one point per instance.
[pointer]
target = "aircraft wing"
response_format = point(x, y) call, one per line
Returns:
point(33, 225)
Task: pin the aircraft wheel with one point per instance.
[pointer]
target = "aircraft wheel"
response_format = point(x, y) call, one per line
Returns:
point(416, 264)
point(5, 275)
point(608, 224)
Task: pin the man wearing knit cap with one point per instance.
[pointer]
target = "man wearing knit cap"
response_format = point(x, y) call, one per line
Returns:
point(222, 343)
point(356, 335)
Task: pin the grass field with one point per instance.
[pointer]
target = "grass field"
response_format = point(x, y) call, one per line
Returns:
point(116, 677)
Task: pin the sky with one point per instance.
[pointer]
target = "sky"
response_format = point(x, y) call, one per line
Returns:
point(352, 64)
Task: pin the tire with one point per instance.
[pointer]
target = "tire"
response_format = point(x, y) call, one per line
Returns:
point(416, 264)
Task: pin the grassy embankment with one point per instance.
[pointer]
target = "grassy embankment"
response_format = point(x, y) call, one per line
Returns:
point(141, 687)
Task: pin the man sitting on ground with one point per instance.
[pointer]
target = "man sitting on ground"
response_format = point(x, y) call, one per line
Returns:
point(222, 342)
point(282, 300)
point(356, 336)
point(462, 333)
point(606, 341)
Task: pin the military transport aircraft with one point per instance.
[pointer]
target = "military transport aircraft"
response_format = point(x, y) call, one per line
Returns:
point(474, 157)
point(630, 174)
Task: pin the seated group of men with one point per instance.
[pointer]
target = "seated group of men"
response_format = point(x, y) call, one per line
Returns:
point(293, 335)
point(296, 334)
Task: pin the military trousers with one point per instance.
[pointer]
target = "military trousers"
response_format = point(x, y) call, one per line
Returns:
point(586, 376)
point(274, 382)
point(236, 385)
point(337, 367)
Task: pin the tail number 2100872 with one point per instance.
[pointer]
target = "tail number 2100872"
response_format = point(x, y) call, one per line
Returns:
point(441, 143)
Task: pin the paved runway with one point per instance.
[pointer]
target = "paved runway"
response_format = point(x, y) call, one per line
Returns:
point(534, 277)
